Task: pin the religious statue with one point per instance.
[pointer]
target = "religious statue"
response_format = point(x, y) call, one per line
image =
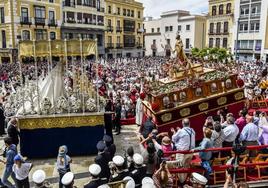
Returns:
point(181, 57)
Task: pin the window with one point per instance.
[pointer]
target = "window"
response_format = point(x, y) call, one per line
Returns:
point(211, 28)
point(170, 28)
point(220, 9)
point(128, 12)
point(210, 44)
point(218, 42)
point(179, 27)
point(52, 35)
point(257, 27)
point(154, 41)
point(214, 10)
point(187, 43)
point(168, 41)
point(244, 11)
point(40, 12)
point(51, 16)
point(2, 15)
point(132, 13)
point(139, 14)
point(118, 11)
point(218, 29)
point(158, 30)
point(24, 14)
point(228, 8)
point(118, 23)
point(152, 30)
point(225, 27)
point(224, 42)
point(166, 28)
point(187, 27)
point(40, 34)
point(124, 12)
point(258, 45)
point(118, 39)
point(109, 9)
point(25, 35)
point(4, 44)
point(100, 42)
point(109, 22)
point(110, 39)
point(51, 1)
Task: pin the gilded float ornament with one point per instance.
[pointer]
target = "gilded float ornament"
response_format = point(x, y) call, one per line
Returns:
point(166, 117)
point(222, 101)
point(185, 112)
point(239, 95)
point(203, 106)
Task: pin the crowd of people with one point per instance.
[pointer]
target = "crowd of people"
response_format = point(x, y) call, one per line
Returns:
point(122, 81)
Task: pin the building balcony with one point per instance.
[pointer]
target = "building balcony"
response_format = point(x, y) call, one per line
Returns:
point(118, 29)
point(101, 23)
point(110, 29)
point(109, 45)
point(25, 20)
point(52, 23)
point(101, 9)
point(119, 45)
point(40, 21)
point(70, 20)
point(129, 45)
point(153, 47)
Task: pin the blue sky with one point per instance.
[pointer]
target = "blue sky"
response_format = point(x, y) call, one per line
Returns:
point(155, 7)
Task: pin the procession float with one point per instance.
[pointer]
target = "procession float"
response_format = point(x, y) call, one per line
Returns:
point(61, 104)
point(191, 91)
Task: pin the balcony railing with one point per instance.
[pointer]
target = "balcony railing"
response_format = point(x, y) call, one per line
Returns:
point(101, 23)
point(52, 23)
point(25, 20)
point(118, 29)
point(221, 32)
point(69, 4)
point(40, 21)
point(110, 28)
point(119, 45)
point(110, 45)
point(71, 20)
point(129, 44)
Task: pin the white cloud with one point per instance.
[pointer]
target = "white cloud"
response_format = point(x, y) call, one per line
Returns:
point(156, 7)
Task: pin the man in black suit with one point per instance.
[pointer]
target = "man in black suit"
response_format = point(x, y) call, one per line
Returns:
point(103, 159)
point(117, 118)
point(12, 131)
point(2, 120)
point(108, 119)
point(95, 180)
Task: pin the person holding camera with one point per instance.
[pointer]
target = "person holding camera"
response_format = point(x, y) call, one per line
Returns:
point(162, 177)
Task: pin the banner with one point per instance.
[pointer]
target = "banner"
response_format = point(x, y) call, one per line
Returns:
point(57, 48)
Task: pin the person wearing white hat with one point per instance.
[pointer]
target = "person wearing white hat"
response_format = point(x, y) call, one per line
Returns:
point(95, 180)
point(120, 172)
point(140, 169)
point(39, 177)
point(68, 180)
point(197, 180)
point(130, 182)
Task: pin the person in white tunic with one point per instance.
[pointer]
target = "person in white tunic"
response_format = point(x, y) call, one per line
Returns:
point(139, 110)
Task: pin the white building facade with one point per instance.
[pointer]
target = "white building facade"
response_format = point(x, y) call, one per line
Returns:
point(160, 34)
point(250, 29)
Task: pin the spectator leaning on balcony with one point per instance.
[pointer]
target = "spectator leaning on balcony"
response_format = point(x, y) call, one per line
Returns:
point(184, 140)
point(250, 134)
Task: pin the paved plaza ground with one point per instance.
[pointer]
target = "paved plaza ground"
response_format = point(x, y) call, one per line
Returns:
point(80, 165)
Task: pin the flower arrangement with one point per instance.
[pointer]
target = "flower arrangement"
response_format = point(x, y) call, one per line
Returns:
point(240, 83)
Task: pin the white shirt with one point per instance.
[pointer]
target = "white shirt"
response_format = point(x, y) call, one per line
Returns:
point(181, 139)
point(22, 172)
point(230, 133)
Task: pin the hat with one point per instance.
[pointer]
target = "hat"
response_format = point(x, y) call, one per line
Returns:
point(166, 141)
point(101, 145)
point(130, 182)
point(94, 169)
point(147, 180)
point(138, 159)
point(107, 138)
point(118, 160)
point(68, 178)
point(39, 176)
point(17, 158)
point(148, 185)
point(199, 179)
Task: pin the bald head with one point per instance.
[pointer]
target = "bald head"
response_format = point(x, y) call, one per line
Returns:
point(186, 122)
